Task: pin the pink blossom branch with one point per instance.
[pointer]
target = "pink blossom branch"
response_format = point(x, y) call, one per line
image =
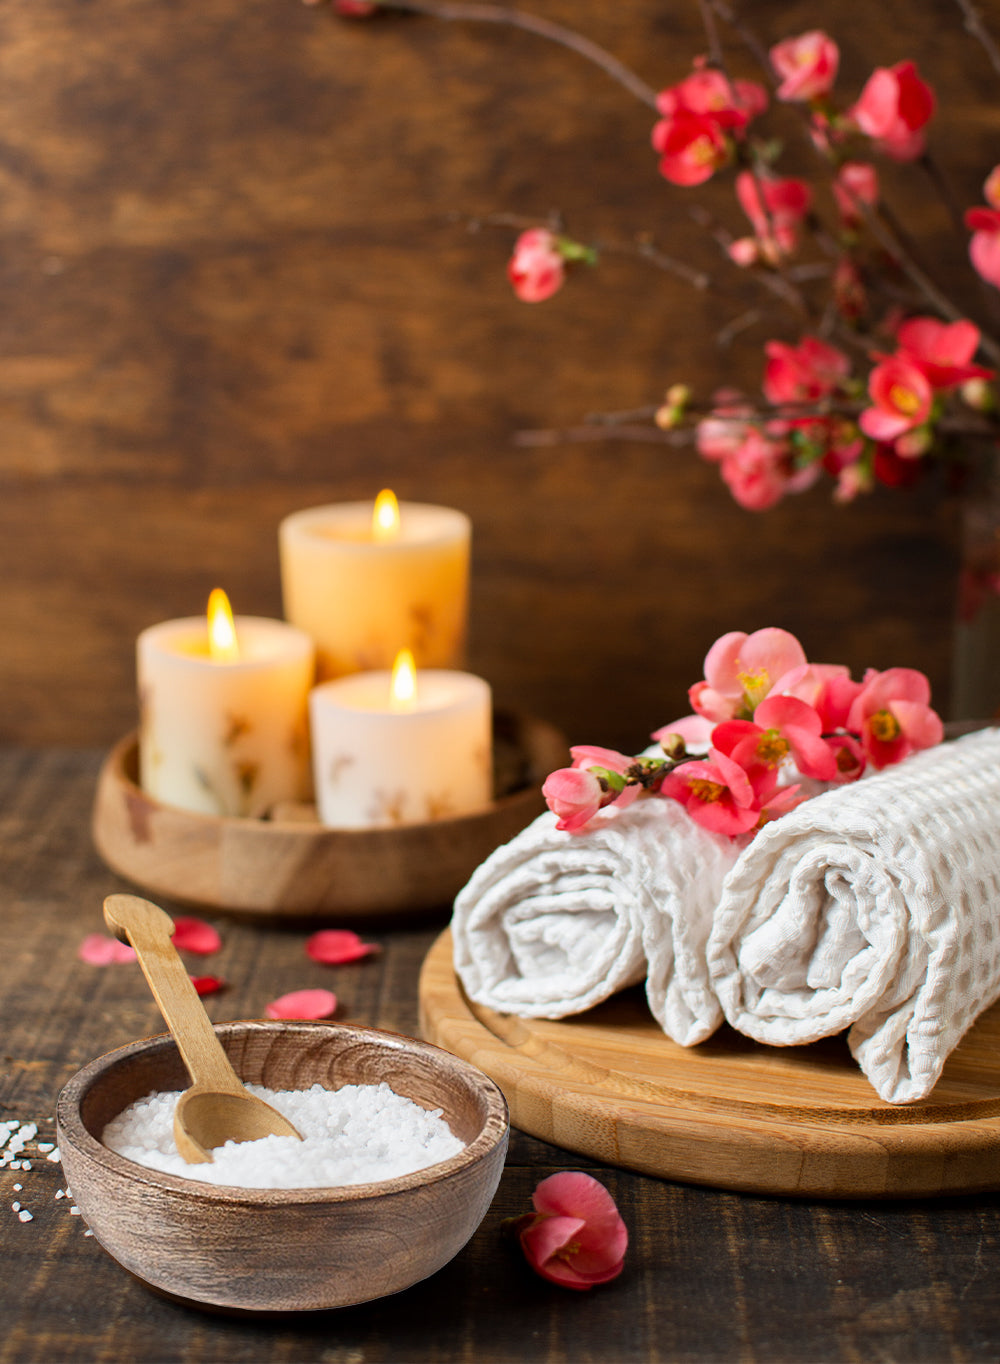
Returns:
point(459, 11)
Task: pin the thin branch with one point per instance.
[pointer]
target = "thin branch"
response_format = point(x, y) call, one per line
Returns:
point(977, 28)
point(531, 23)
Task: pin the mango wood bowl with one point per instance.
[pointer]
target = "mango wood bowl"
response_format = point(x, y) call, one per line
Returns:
point(280, 1250)
point(289, 866)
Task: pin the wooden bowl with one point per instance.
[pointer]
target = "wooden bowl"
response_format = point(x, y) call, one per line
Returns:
point(284, 1249)
point(290, 866)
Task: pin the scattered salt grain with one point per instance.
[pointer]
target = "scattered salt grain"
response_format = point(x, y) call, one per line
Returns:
point(25, 1216)
point(53, 1155)
point(15, 1207)
point(46, 1146)
point(17, 1188)
point(353, 1135)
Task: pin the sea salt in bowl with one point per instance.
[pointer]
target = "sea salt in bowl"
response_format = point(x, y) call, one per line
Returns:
point(285, 1249)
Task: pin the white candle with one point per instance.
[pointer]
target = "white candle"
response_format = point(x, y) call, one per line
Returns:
point(224, 734)
point(381, 758)
point(365, 588)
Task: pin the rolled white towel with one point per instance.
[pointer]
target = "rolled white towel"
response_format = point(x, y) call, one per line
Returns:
point(553, 922)
point(873, 907)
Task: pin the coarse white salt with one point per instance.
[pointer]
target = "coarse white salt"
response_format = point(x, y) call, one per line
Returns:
point(353, 1135)
point(25, 1216)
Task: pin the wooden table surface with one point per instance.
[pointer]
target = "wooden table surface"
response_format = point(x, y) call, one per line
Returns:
point(710, 1276)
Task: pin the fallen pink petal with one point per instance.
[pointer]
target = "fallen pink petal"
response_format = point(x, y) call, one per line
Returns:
point(208, 985)
point(195, 935)
point(97, 949)
point(303, 1004)
point(335, 946)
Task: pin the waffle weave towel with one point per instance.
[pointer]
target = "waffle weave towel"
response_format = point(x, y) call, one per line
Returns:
point(552, 922)
point(876, 908)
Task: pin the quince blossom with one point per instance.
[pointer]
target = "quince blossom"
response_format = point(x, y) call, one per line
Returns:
point(698, 113)
point(984, 224)
point(782, 727)
point(855, 184)
point(807, 66)
point(893, 109)
point(902, 395)
point(892, 715)
point(942, 350)
point(803, 373)
point(575, 794)
point(776, 208)
point(741, 670)
point(692, 147)
point(716, 792)
point(536, 269)
point(576, 1236)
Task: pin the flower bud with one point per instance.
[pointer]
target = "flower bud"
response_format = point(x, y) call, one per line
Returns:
point(673, 746)
point(979, 394)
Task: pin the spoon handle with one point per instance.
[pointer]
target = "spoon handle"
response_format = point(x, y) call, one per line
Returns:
point(149, 928)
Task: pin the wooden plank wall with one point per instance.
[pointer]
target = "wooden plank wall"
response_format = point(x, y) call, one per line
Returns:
point(236, 279)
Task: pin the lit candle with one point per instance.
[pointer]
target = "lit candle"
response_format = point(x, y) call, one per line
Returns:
point(365, 581)
point(401, 746)
point(223, 712)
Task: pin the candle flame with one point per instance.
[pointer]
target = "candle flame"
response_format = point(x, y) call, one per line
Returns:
point(403, 688)
point(385, 517)
point(222, 643)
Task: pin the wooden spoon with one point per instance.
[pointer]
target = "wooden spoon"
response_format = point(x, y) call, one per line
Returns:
point(217, 1108)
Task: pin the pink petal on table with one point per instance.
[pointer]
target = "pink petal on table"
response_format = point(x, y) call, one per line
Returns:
point(195, 935)
point(97, 949)
point(208, 985)
point(303, 1004)
point(334, 946)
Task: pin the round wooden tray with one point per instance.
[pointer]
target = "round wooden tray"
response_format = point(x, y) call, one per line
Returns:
point(731, 1113)
point(292, 867)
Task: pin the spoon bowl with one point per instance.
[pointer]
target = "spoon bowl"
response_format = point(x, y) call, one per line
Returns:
point(217, 1107)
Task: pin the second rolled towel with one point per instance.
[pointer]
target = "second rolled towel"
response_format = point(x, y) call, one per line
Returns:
point(874, 908)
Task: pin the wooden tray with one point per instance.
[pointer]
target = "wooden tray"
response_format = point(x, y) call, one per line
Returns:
point(292, 867)
point(731, 1113)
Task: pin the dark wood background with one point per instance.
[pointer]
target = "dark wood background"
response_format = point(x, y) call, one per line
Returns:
point(233, 284)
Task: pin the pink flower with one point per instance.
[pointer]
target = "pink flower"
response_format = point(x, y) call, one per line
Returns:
point(302, 1004)
point(894, 108)
point(195, 935)
point(353, 9)
point(692, 147)
point(782, 727)
point(709, 93)
point(335, 946)
point(575, 794)
point(902, 396)
point(775, 207)
point(576, 1236)
point(807, 66)
point(741, 670)
point(855, 184)
point(536, 269)
point(984, 246)
point(716, 793)
point(892, 715)
point(942, 350)
point(761, 470)
point(803, 373)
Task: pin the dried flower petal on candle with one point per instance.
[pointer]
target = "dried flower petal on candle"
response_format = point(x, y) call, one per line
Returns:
point(97, 949)
point(335, 946)
point(208, 985)
point(303, 1004)
point(195, 935)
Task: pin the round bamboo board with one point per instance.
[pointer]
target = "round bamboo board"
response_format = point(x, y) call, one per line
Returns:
point(730, 1113)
